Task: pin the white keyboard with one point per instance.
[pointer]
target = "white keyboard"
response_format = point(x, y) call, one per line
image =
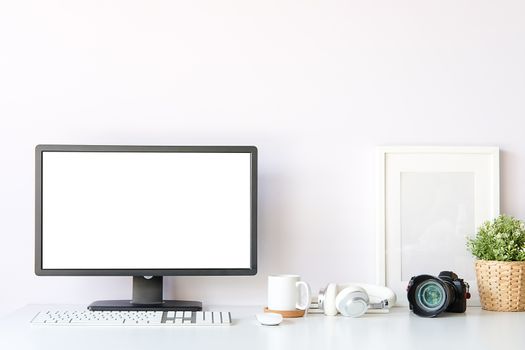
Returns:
point(132, 318)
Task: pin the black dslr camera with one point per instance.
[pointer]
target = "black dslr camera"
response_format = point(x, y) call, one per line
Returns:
point(429, 296)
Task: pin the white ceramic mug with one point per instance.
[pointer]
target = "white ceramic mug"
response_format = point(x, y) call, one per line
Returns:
point(284, 293)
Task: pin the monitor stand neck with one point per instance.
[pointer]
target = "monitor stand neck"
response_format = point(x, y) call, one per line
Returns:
point(146, 296)
point(147, 290)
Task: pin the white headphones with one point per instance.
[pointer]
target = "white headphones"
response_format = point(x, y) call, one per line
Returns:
point(354, 299)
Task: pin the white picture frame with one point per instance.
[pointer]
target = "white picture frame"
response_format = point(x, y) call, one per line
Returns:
point(429, 200)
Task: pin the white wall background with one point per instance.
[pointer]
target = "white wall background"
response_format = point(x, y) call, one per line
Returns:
point(316, 85)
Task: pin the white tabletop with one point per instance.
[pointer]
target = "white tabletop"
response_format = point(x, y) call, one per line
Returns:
point(476, 329)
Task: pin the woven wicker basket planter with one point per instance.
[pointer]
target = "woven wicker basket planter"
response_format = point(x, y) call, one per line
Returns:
point(501, 285)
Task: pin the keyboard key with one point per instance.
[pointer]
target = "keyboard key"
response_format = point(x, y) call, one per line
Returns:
point(208, 317)
point(217, 317)
point(225, 317)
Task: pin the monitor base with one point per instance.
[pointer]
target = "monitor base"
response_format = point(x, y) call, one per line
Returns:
point(127, 305)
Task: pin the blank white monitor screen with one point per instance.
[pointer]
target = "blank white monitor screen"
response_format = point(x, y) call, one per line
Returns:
point(145, 210)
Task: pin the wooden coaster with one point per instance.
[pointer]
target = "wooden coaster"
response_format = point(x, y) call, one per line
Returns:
point(287, 314)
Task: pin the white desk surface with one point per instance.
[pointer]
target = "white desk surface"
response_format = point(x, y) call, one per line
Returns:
point(476, 329)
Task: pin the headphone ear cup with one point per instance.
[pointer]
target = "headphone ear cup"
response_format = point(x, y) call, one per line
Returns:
point(352, 301)
point(329, 300)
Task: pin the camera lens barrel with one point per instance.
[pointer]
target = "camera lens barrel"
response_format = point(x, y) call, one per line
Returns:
point(429, 296)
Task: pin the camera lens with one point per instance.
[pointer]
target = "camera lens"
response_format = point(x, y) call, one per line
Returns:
point(430, 295)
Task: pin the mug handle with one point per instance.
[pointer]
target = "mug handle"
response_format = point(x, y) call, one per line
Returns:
point(305, 303)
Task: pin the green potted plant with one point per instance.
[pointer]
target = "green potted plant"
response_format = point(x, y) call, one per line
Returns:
point(499, 247)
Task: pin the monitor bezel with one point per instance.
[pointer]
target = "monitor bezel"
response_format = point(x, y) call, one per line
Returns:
point(40, 271)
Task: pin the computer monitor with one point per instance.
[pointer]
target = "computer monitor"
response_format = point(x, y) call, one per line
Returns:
point(146, 212)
